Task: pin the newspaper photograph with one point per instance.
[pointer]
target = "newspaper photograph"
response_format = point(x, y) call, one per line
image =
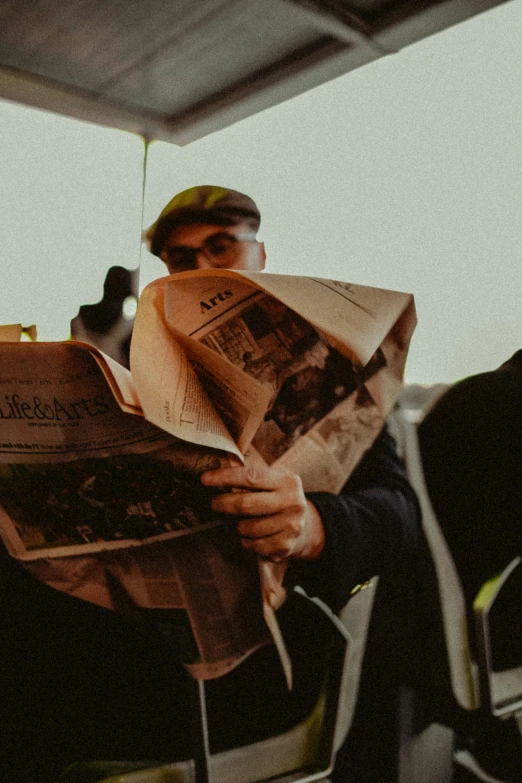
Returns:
point(91, 505)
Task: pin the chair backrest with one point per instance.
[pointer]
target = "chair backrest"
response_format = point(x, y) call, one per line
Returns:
point(463, 669)
point(303, 754)
point(474, 681)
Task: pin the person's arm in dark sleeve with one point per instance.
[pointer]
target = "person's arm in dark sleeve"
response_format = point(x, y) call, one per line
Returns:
point(373, 525)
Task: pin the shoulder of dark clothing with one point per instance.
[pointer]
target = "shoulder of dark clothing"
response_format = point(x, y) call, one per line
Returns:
point(372, 526)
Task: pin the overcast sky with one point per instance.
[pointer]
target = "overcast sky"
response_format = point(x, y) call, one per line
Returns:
point(404, 174)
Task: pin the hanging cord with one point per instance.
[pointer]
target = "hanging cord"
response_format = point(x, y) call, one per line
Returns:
point(146, 144)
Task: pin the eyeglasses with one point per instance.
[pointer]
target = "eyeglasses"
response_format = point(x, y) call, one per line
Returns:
point(221, 248)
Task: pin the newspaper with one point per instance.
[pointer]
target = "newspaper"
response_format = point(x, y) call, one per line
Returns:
point(99, 467)
point(98, 502)
point(305, 370)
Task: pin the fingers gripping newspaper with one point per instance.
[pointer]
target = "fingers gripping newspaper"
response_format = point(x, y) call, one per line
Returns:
point(99, 468)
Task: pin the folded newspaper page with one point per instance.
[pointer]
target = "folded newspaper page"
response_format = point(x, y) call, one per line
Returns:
point(94, 500)
point(304, 370)
point(99, 468)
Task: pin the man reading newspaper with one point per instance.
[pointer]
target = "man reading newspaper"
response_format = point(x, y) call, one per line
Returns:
point(92, 684)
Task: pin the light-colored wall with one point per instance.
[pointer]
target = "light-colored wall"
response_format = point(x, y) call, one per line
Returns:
point(403, 174)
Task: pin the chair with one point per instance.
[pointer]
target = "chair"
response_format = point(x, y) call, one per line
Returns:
point(304, 754)
point(463, 670)
point(476, 685)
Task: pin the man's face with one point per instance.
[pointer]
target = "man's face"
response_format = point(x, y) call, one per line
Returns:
point(201, 246)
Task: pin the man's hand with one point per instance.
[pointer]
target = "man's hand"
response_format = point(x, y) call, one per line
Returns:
point(274, 517)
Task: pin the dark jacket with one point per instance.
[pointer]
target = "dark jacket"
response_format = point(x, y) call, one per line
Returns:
point(372, 527)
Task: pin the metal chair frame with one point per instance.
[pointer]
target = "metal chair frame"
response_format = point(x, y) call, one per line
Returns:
point(304, 754)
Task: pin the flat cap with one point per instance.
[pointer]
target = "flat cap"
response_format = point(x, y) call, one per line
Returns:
point(206, 204)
